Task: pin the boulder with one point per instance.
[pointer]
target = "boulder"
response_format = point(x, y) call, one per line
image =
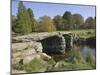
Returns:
point(29, 58)
point(25, 51)
point(36, 46)
point(21, 46)
point(68, 40)
point(44, 56)
point(16, 60)
point(54, 45)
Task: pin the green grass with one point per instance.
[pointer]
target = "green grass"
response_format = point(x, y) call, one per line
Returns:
point(84, 33)
point(76, 62)
point(71, 66)
point(18, 66)
point(36, 65)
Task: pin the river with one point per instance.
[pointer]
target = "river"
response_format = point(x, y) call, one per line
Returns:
point(83, 49)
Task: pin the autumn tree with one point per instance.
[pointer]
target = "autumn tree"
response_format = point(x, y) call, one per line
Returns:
point(46, 24)
point(23, 23)
point(57, 19)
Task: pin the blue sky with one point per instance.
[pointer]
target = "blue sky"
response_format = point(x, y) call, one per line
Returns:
point(50, 9)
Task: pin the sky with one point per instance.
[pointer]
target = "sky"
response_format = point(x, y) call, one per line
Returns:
point(52, 9)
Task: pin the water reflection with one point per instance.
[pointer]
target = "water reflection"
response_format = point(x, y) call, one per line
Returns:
point(84, 50)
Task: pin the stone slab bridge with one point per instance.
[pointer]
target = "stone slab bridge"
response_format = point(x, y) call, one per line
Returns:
point(52, 42)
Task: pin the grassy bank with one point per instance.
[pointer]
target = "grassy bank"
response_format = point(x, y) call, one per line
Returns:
point(84, 33)
point(74, 62)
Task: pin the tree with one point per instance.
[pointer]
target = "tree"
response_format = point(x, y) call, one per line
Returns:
point(33, 21)
point(64, 25)
point(67, 15)
point(46, 24)
point(90, 23)
point(67, 21)
point(23, 23)
point(14, 19)
point(78, 21)
point(56, 21)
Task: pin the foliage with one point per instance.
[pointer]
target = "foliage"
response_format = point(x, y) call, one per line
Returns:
point(33, 21)
point(56, 21)
point(64, 25)
point(78, 21)
point(90, 23)
point(23, 24)
point(14, 19)
point(18, 66)
point(67, 21)
point(46, 24)
point(67, 15)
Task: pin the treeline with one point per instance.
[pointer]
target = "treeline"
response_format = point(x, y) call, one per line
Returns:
point(25, 22)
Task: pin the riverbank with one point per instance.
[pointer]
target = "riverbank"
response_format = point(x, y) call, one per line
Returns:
point(28, 55)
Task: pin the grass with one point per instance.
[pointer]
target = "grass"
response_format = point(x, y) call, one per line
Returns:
point(72, 66)
point(18, 66)
point(76, 54)
point(85, 33)
point(36, 65)
point(74, 62)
